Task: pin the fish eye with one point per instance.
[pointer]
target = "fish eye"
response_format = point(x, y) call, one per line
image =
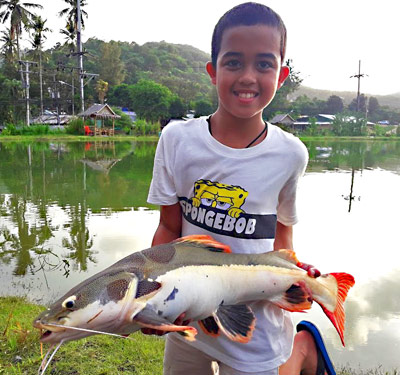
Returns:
point(69, 303)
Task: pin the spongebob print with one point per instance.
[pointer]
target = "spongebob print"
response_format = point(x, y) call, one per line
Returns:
point(218, 208)
point(225, 197)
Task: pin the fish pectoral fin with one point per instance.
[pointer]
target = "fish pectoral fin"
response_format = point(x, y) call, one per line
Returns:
point(237, 322)
point(296, 299)
point(209, 326)
point(149, 318)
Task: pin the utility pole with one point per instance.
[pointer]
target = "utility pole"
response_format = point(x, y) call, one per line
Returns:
point(359, 76)
point(26, 64)
point(80, 54)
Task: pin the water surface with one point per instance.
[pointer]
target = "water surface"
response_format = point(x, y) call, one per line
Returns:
point(69, 209)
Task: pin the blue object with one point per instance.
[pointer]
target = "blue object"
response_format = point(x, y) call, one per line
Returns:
point(319, 342)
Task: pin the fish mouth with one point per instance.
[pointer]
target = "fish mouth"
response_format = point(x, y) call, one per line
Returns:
point(48, 329)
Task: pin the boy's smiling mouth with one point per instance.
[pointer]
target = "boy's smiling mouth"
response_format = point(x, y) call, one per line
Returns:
point(245, 94)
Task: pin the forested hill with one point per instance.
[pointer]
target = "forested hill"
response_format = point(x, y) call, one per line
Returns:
point(181, 68)
point(391, 101)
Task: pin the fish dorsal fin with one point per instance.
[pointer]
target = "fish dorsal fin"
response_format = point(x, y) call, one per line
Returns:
point(205, 241)
point(237, 322)
point(288, 255)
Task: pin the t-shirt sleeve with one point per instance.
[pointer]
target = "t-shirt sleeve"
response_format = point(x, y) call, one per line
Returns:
point(162, 188)
point(287, 213)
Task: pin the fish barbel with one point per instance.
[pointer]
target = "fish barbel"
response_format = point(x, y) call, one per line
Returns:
point(195, 275)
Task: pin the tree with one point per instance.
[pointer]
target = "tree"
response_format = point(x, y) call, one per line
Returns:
point(334, 105)
point(19, 16)
point(38, 37)
point(69, 35)
point(111, 68)
point(373, 106)
point(202, 108)
point(121, 95)
point(177, 108)
point(101, 88)
point(362, 105)
point(8, 45)
point(151, 100)
point(72, 13)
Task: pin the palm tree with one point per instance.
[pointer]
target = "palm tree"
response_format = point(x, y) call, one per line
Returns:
point(8, 45)
point(38, 37)
point(72, 12)
point(69, 34)
point(19, 15)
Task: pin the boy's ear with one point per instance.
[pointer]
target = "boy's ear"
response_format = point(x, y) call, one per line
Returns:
point(284, 73)
point(211, 72)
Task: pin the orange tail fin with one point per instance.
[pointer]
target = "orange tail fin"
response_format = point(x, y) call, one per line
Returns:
point(337, 317)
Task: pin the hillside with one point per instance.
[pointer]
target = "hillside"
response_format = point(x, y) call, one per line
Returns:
point(391, 101)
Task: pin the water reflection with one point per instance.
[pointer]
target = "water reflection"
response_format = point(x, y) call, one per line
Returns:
point(68, 210)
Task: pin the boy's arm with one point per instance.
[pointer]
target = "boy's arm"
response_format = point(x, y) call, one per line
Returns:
point(283, 236)
point(284, 240)
point(170, 225)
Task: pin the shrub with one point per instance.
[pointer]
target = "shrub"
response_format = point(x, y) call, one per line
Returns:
point(142, 127)
point(75, 126)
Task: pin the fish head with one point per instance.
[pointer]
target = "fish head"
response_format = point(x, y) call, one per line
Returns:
point(96, 304)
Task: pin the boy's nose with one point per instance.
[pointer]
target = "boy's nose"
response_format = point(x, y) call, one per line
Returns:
point(248, 77)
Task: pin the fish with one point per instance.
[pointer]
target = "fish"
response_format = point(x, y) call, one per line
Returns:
point(200, 277)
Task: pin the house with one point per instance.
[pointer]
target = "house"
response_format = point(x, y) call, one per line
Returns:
point(132, 115)
point(322, 121)
point(282, 119)
point(99, 113)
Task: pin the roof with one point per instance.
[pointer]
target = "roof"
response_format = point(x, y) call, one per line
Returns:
point(99, 110)
point(279, 118)
point(51, 119)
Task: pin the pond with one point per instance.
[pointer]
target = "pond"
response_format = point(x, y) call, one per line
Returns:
point(69, 209)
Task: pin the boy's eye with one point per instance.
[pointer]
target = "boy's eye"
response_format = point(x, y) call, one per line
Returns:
point(263, 65)
point(233, 63)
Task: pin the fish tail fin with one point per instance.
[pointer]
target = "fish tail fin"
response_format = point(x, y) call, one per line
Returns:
point(205, 241)
point(337, 316)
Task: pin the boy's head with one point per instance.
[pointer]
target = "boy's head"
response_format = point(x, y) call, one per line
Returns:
point(247, 14)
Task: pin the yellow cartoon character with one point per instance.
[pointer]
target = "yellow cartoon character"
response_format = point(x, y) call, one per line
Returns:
point(214, 194)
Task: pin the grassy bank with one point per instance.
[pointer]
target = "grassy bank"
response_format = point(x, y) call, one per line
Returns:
point(97, 355)
point(68, 137)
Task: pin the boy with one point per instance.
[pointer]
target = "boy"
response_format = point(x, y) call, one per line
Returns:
point(233, 176)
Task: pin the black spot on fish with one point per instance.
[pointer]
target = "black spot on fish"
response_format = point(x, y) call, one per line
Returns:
point(172, 295)
point(116, 289)
point(145, 287)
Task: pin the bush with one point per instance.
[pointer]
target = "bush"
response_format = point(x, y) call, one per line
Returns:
point(142, 127)
point(36, 129)
point(75, 126)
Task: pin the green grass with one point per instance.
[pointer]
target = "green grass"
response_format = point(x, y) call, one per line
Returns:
point(97, 355)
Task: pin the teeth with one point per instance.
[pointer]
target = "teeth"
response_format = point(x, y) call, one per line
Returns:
point(246, 95)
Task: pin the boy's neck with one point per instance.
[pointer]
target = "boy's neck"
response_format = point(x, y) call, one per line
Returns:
point(236, 132)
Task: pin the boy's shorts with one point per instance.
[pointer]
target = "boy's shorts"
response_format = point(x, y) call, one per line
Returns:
point(182, 359)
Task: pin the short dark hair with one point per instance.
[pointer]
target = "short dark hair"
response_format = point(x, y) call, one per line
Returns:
point(247, 14)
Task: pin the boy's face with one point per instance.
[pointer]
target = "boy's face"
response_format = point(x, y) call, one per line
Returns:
point(249, 69)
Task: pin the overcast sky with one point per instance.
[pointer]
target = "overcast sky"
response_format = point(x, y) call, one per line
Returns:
point(326, 39)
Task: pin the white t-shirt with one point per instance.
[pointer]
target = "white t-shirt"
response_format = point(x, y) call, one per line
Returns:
point(236, 196)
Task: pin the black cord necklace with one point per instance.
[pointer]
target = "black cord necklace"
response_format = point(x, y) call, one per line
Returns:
point(254, 140)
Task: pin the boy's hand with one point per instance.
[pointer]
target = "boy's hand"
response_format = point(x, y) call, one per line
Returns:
point(311, 270)
point(179, 322)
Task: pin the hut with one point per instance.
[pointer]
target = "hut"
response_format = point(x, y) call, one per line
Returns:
point(99, 113)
